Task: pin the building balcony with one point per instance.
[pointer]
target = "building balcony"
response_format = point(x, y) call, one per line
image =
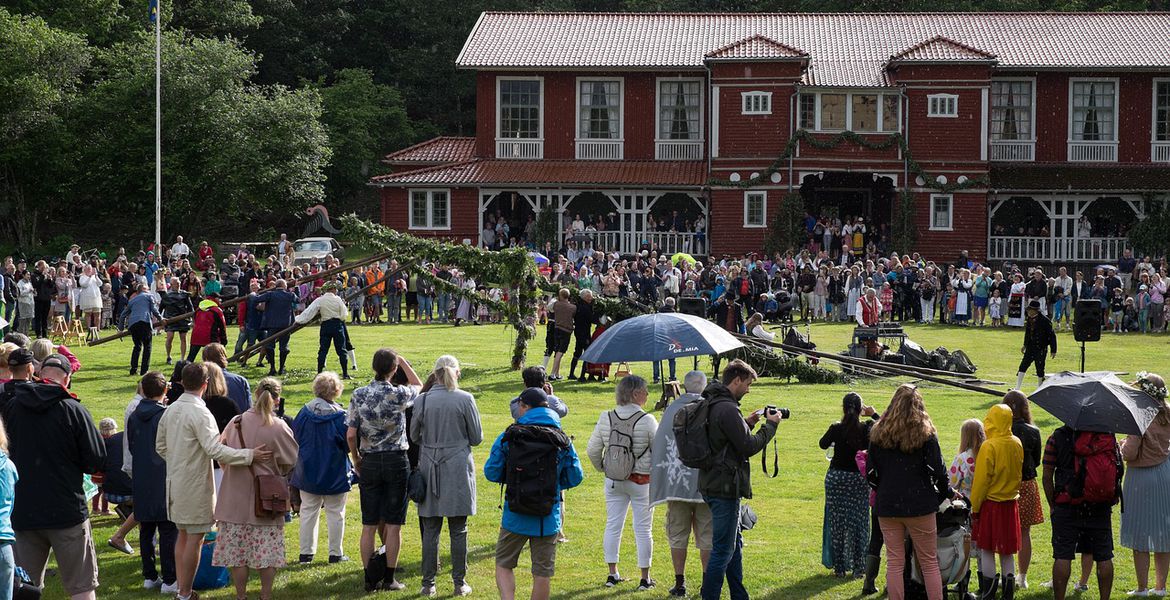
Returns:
point(632, 241)
point(1160, 152)
point(599, 149)
point(678, 149)
point(531, 149)
point(1047, 249)
point(1086, 151)
point(1013, 150)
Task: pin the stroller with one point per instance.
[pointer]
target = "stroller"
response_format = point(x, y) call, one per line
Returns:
point(954, 555)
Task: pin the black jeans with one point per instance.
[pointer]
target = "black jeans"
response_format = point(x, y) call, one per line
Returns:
point(41, 318)
point(141, 333)
point(332, 331)
point(167, 535)
point(270, 349)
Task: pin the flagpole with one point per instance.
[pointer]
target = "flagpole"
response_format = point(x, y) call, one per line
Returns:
point(158, 128)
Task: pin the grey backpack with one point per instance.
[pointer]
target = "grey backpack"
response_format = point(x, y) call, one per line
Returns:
point(619, 459)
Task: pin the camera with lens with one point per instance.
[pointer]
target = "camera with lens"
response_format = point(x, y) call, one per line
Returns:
point(771, 410)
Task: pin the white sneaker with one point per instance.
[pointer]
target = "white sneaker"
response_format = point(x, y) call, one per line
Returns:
point(151, 584)
point(1022, 582)
point(1138, 593)
point(169, 588)
point(1158, 593)
point(463, 590)
point(428, 591)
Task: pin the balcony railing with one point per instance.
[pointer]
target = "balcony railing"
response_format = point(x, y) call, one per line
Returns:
point(1160, 152)
point(1023, 248)
point(1013, 150)
point(678, 150)
point(1082, 151)
point(516, 148)
point(628, 242)
point(599, 149)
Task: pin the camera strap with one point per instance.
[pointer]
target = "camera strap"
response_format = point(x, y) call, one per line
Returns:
point(775, 459)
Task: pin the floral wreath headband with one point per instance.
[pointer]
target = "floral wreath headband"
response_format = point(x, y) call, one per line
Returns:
point(1158, 392)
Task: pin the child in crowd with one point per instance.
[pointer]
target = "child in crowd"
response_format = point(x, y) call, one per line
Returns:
point(995, 307)
point(962, 471)
point(1129, 321)
point(356, 300)
point(1117, 310)
point(1143, 307)
point(995, 503)
point(107, 427)
point(945, 306)
point(107, 307)
point(887, 300)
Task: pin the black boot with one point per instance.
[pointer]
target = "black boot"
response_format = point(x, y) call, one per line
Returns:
point(283, 356)
point(988, 587)
point(1009, 587)
point(873, 564)
point(573, 369)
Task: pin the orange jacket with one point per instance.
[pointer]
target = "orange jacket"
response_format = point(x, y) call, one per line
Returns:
point(374, 274)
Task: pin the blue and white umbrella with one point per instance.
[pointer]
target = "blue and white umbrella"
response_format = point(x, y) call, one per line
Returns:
point(659, 336)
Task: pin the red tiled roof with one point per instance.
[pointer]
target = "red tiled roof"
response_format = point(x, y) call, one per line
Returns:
point(942, 49)
point(688, 174)
point(434, 151)
point(756, 47)
point(844, 49)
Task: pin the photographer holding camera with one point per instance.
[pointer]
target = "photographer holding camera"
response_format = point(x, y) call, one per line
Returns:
point(730, 439)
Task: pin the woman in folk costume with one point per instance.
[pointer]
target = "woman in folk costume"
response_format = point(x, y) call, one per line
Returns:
point(963, 286)
point(1016, 302)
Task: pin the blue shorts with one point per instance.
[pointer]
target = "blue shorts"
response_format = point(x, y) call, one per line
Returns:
point(980, 302)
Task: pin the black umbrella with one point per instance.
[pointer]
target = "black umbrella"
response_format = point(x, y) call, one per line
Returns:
point(1096, 401)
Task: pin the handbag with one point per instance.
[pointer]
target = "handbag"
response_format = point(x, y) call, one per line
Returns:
point(271, 491)
point(416, 485)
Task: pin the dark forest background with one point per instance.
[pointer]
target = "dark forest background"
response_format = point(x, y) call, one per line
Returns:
point(269, 106)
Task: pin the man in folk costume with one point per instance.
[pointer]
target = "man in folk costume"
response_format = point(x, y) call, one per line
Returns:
point(332, 311)
point(868, 314)
point(1038, 337)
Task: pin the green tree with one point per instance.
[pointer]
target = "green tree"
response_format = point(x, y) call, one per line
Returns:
point(40, 74)
point(1148, 236)
point(363, 119)
point(787, 231)
point(903, 229)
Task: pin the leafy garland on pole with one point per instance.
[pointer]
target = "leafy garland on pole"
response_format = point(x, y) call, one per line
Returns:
point(890, 141)
point(903, 229)
point(510, 268)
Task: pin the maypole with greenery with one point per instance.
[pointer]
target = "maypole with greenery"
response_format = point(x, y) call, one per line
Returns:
point(511, 269)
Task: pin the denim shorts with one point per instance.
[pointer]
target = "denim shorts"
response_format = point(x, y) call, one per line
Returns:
point(383, 487)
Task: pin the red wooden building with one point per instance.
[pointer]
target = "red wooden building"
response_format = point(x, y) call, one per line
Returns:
point(1037, 137)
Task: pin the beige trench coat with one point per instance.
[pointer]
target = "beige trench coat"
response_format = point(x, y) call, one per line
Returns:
point(189, 441)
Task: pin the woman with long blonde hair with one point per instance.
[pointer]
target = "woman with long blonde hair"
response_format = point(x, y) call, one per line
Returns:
point(905, 466)
point(246, 541)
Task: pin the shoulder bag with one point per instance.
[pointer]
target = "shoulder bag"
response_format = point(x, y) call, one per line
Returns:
point(271, 491)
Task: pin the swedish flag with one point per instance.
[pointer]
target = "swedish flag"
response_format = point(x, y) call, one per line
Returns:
point(153, 11)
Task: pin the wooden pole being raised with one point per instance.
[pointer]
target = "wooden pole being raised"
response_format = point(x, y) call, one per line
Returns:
point(247, 353)
point(242, 297)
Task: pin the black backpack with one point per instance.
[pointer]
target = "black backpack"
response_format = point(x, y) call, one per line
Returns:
point(691, 435)
point(530, 469)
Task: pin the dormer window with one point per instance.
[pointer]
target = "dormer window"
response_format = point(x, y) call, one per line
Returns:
point(942, 105)
point(757, 103)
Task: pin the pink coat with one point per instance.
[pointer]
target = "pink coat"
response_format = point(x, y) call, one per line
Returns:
point(236, 500)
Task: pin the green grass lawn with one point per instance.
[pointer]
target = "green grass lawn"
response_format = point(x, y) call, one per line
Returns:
point(782, 554)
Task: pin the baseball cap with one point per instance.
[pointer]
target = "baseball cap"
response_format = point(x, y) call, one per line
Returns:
point(20, 356)
point(533, 397)
point(57, 361)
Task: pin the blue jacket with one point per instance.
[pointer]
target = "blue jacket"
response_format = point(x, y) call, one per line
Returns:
point(8, 479)
point(150, 470)
point(141, 308)
point(278, 308)
point(569, 475)
point(238, 390)
point(323, 459)
point(254, 317)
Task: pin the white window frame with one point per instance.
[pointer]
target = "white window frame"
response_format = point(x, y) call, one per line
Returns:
point(658, 107)
point(430, 192)
point(883, 119)
point(1072, 81)
point(950, 198)
point(747, 196)
point(499, 106)
point(1154, 111)
point(621, 107)
point(747, 99)
point(1031, 81)
point(935, 103)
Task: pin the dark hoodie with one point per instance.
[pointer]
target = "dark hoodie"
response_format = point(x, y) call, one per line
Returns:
point(727, 432)
point(53, 443)
point(150, 470)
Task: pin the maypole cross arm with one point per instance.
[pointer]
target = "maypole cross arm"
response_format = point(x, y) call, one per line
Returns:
point(510, 268)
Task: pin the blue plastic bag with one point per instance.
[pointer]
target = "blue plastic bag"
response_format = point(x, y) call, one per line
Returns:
point(209, 576)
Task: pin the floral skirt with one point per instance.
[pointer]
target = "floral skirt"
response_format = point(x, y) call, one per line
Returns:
point(252, 546)
point(1031, 512)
